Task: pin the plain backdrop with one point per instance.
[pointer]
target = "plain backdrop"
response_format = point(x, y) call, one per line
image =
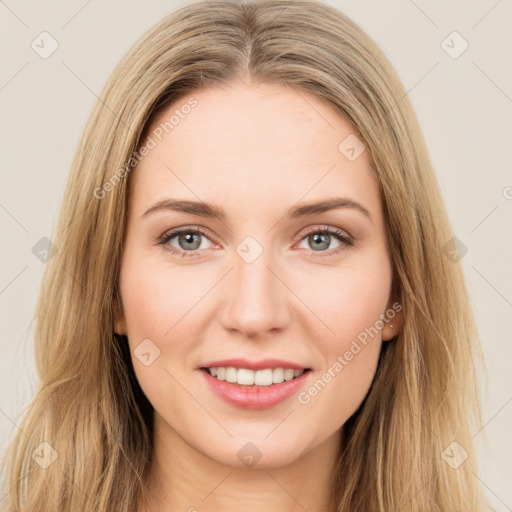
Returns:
point(462, 97)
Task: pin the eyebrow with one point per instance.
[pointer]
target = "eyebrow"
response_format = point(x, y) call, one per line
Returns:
point(215, 212)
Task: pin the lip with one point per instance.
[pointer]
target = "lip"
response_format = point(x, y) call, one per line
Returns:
point(255, 397)
point(255, 365)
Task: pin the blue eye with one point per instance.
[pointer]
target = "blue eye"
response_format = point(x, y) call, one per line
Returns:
point(189, 240)
point(322, 237)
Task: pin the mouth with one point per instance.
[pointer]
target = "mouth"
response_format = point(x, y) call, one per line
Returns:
point(246, 377)
point(263, 388)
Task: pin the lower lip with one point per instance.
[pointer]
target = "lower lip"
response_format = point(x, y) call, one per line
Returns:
point(255, 397)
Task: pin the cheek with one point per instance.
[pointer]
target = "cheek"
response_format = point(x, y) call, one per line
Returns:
point(162, 305)
point(155, 308)
point(350, 301)
point(155, 299)
point(352, 306)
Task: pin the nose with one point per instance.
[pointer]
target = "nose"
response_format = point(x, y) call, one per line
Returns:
point(257, 299)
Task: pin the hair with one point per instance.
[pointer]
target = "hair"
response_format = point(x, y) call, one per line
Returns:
point(89, 406)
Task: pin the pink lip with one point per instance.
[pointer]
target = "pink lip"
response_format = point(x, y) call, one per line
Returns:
point(254, 365)
point(255, 397)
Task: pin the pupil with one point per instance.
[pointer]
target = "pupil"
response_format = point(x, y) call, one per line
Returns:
point(317, 237)
point(189, 240)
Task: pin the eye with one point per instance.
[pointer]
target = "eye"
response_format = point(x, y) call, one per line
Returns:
point(188, 241)
point(320, 239)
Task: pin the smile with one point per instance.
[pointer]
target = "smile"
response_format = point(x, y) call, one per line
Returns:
point(255, 396)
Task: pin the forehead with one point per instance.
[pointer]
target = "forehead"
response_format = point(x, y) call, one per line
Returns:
point(263, 143)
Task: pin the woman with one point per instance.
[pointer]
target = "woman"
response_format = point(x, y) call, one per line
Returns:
point(313, 349)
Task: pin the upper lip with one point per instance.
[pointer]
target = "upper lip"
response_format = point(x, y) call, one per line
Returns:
point(254, 365)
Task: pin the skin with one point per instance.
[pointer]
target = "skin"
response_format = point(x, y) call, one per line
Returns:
point(256, 151)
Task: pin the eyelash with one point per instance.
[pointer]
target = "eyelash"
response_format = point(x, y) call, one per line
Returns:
point(340, 235)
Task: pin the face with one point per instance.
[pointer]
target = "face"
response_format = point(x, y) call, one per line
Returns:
point(266, 280)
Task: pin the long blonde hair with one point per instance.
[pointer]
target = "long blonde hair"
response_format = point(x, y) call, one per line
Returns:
point(89, 408)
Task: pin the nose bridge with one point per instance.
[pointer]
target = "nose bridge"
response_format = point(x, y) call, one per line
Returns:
point(256, 297)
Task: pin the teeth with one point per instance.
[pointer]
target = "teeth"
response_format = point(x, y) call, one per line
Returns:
point(231, 374)
point(263, 377)
point(246, 377)
point(278, 376)
point(289, 374)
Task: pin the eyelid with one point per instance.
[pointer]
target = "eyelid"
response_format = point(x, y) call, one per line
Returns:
point(324, 227)
point(171, 233)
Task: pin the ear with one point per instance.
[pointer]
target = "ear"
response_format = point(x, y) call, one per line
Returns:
point(119, 320)
point(394, 319)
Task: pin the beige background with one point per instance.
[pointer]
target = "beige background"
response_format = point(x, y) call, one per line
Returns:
point(464, 105)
